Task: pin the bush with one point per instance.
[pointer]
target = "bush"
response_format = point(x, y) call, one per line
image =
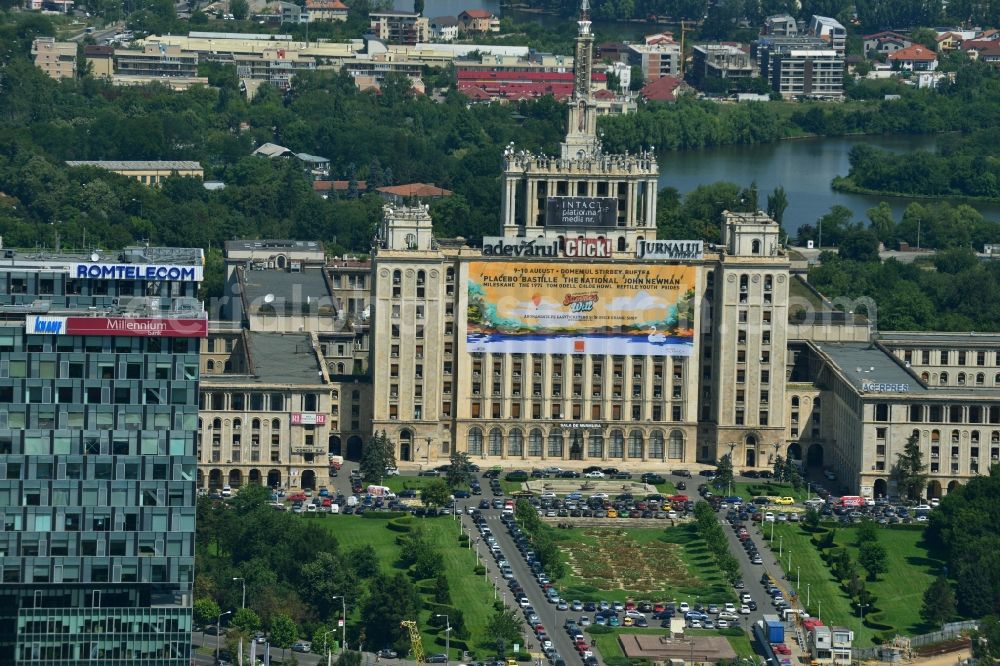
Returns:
point(599, 629)
point(516, 476)
point(400, 524)
point(479, 570)
point(385, 515)
point(463, 539)
point(523, 656)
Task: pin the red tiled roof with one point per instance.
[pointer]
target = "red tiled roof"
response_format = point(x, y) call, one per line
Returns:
point(915, 52)
point(475, 92)
point(522, 76)
point(415, 190)
point(326, 4)
point(604, 94)
point(336, 185)
point(477, 14)
point(663, 89)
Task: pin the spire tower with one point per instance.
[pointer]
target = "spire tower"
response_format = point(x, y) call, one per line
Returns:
point(581, 135)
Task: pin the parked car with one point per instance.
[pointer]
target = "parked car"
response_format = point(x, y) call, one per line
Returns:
point(439, 658)
point(301, 646)
point(387, 654)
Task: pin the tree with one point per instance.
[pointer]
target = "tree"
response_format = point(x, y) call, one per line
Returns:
point(812, 517)
point(939, 602)
point(779, 468)
point(283, 632)
point(777, 202)
point(460, 469)
point(377, 456)
point(206, 611)
point(504, 628)
point(246, 621)
point(882, 224)
point(859, 245)
point(724, 471)
point(867, 531)
point(240, 9)
point(442, 593)
point(421, 553)
point(364, 561)
point(389, 602)
point(873, 557)
point(349, 658)
point(925, 36)
point(435, 494)
point(910, 472)
point(326, 577)
point(986, 639)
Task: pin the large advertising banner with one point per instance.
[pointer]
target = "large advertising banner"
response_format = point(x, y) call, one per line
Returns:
point(567, 308)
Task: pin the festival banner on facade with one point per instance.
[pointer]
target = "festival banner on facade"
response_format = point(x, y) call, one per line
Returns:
point(569, 308)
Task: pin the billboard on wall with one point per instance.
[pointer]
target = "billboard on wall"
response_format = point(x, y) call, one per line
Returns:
point(194, 327)
point(600, 212)
point(571, 308)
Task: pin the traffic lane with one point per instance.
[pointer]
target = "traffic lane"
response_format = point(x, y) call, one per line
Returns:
point(750, 572)
point(199, 639)
point(551, 618)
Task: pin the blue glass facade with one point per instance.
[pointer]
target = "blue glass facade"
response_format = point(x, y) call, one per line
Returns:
point(97, 468)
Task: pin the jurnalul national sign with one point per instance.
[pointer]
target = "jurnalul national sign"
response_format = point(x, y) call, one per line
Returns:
point(571, 308)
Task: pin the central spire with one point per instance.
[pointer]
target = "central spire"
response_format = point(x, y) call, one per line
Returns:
point(583, 63)
point(581, 135)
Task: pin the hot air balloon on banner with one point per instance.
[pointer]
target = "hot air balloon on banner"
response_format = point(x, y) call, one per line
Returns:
point(536, 299)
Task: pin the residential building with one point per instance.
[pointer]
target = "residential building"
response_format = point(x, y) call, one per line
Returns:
point(411, 192)
point(780, 25)
point(722, 61)
point(915, 58)
point(478, 21)
point(98, 385)
point(444, 29)
point(830, 30)
point(663, 89)
point(156, 61)
point(147, 172)
point(830, 645)
point(516, 84)
point(326, 10)
point(800, 66)
point(949, 40)
point(983, 51)
point(100, 59)
point(662, 58)
point(884, 43)
point(315, 165)
point(56, 59)
point(400, 27)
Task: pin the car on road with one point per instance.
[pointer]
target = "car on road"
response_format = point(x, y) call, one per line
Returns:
point(387, 654)
point(439, 658)
point(301, 646)
point(784, 500)
point(596, 474)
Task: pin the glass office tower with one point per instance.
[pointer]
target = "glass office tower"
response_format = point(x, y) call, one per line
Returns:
point(98, 423)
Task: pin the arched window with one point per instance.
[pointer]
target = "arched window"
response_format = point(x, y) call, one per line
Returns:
point(795, 401)
point(744, 282)
point(475, 442)
point(980, 379)
point(237, 424)
point(421, 278)
point(255, 424)
point(595, 446)
point(961, 379)
point(210, 366)
point(656, 445)
point(617, 445)
point(755, 247)
point(944, 377)
point(915, 434)
point(996, 379)
point(675, 445)
point(935, 436)
point(216, 423)
point(955, 436)
point(515, 442)
point(925, 377)
point(635, 444)
point(397, 276)
point(449, 275)
point(275, 424)
point(496, 442)
point(555, 444)
point(535, 443)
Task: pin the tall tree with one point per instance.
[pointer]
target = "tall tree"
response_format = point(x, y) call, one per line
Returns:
point(873, 557)
point(504, 629)
point(435, 494)
point(459, 470)
point(777, 203)
point(389, 602)
point(724, 471)
point(283, 632)
point(910, 472)
point(378, 456)
point(240, 9)
point(939, 602)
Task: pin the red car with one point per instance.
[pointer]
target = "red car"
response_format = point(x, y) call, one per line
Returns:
point(297, 497)
point(629, 605)
point(658, 608)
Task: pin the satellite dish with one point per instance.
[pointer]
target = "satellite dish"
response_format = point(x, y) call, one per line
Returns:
point(94, 256)
point(269, 298)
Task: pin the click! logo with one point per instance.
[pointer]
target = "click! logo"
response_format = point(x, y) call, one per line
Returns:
point(580, 302)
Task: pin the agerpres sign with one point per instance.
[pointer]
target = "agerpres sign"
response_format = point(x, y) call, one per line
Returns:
point(581, 212)
point(117, 326)
point(673, 250)
point(137, 272)
point(587, 248)
point(879, 387)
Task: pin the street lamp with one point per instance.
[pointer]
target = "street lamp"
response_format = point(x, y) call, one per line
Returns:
point(496, 586)
point(447, 637)
point(243, 604)
point(781, 542)
point(798, 579)
point(343, 627)
point(808, 596)
point(329, 652)
point(218, 632)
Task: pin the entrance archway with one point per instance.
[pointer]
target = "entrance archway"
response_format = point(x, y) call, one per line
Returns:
point(235, 478)
point(576, 446)
point(334, 445)
point(881, 488)
point(405, 454)
point(201, 479)
point(255, 476)
point(274, 478)
point(308, 480)
point(353, 448)
point(814, 456)
point(215, 479)
point(953, 486)
point(751, 458)
point(933, 489)
point(795, 451)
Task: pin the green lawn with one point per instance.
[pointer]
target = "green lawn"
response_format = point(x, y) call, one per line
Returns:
point(899, 592)
point(765, 487)
point(472, 594)
point(667, 489)
point(652, 564)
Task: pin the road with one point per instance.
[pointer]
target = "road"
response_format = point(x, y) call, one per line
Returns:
point(98, 35)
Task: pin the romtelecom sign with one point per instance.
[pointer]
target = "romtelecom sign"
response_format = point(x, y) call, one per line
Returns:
point(137, 272)
point(143, 327)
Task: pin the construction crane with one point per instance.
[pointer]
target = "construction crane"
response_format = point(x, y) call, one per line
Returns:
point(416, 643)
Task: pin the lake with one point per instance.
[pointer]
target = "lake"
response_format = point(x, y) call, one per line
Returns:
point(804, 167)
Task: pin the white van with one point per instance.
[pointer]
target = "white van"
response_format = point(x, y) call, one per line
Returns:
point(334, 508)
point(227, 491)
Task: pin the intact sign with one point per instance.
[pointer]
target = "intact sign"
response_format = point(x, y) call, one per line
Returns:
point(581, 212)
point(117, 326)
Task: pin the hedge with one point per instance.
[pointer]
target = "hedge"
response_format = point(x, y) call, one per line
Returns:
point(401, 523)
point(384, 515)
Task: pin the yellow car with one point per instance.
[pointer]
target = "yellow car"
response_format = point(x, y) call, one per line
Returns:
point(784, 500)
point(511, 662)
point(612, 513)
point(627, 622)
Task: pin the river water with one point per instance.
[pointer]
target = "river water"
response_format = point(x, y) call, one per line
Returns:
point(804, 167)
